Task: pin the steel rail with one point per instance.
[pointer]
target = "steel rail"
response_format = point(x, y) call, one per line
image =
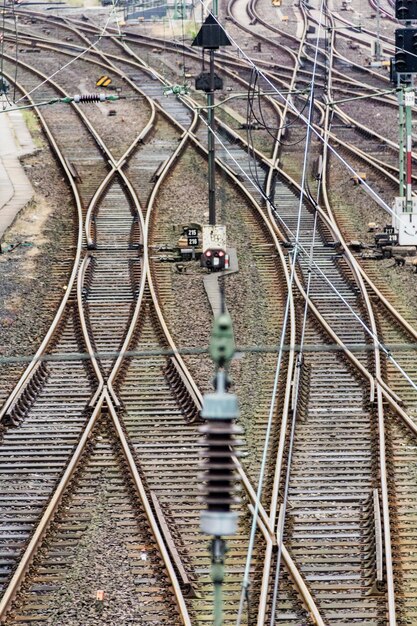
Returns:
point(184, 372)
point(279, 461)
point(229, 15)
point(391, 600)
point(381, 166)
point(98, 194)
point(373, 381)
point(383, 477)
point(384, 489)
point(86, 335)
point(106, 394)
point(398, 318)
point(378, 294)
point(59, 313)
point(50, 511)
point(145, 40)
point(302, 589)
point(293, 571)
point(116, 168)
point(112, 375)
point(100, 191)
point(331, 225)
point(337, 233)
point(379, 396)
point(47, 517)
point(179, 597)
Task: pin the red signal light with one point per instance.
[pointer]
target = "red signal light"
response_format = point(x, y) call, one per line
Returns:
point(208, 253)
point(221, 253)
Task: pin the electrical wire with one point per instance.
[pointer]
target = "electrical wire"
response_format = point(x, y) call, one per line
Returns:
point(301, 248)
point(246, 576)
point(296, 390)
point(250, 143)
point(78, 56)
point(63, 357)
point(315, 268)
point(290, 104)
point(261, 122)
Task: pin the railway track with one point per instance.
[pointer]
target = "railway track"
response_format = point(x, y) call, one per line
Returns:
point(345, 608)
point(107, 281)
point(346, 526)
point(88, 298)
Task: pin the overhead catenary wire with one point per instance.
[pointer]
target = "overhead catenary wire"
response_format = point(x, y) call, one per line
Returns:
point(296, 391)
point(21, 359)
point(78, 56)
point(293, 108)
point(266, 445)
point(315, 268)
point(301, 248)
point(312, 129)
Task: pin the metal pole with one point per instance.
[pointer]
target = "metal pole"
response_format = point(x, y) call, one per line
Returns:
point(408, 129)
point(211, 147)
point(218, 604)
point(401, 139)
point(218, 550)
point(378, 38)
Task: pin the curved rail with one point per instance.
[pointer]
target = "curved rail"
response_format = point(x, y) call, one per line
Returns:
point(45, 343)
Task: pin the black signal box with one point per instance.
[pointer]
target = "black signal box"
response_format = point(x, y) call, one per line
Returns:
point(405, 60)
point(406, 10)
point(202, 82)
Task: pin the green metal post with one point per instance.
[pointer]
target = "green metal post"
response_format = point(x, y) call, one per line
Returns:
point(218, 603)
point(215, 8)
point(179, 10)
point(401, 139)
point(218, 551)
point(408, 169)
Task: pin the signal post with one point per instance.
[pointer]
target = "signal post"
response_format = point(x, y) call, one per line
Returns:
point(404, 69)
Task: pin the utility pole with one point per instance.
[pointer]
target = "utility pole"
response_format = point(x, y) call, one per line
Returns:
point(406, 100)
point(403, 70)
point(211, 37)
point(211, 144)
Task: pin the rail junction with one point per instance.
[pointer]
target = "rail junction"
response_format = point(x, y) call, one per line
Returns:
point(101, 426)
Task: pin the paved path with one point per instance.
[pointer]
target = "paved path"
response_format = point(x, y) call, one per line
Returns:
point(15, 188)
point(211, 284)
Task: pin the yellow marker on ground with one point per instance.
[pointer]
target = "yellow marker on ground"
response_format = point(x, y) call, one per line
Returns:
point(103, 81)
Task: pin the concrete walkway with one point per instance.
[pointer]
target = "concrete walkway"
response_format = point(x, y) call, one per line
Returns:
point(15, 188)
point(211, 282)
